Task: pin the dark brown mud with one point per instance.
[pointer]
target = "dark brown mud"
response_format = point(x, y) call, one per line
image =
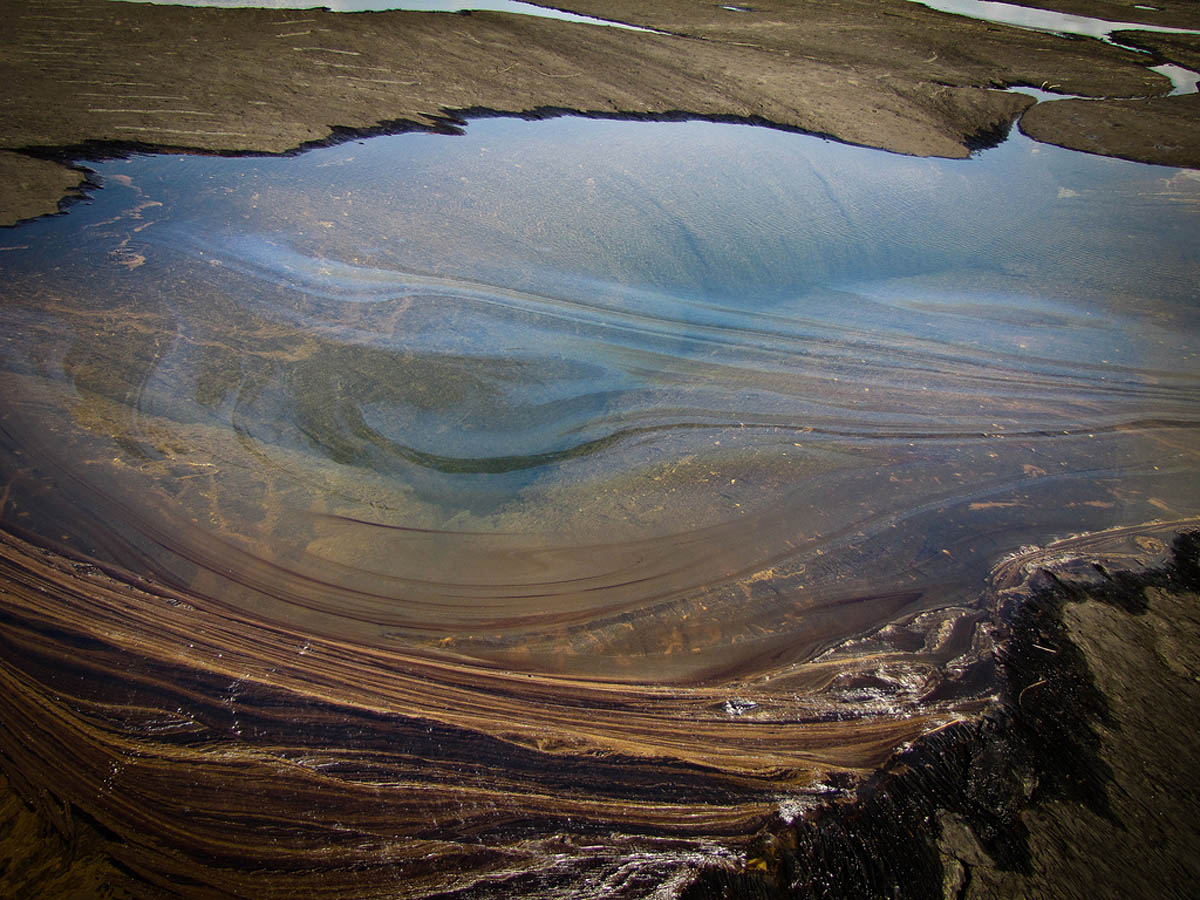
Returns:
point(1181, 49)
point(1162, 130)
point(183, 749)
point(1078, 785)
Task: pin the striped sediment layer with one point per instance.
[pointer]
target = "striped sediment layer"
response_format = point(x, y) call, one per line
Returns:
point(219, 755)
point(175, 749)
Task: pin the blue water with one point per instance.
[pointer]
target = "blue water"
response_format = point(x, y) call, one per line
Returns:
point(570, 370)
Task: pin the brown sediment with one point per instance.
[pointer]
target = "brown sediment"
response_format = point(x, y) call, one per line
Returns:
point(903, 41)
point(31, 183)
point(1182, 49)
point(1164, 130)
point(219, 755)
point(171, 748)
point(894, 75)
point(1171, 13)
point(47, 851)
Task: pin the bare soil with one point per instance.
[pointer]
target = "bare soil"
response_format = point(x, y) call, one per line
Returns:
point(86, 77)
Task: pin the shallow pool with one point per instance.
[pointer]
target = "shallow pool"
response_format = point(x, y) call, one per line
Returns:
point(559, 500)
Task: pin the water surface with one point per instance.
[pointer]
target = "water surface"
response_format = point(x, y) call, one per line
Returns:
point(488, 493)
point(498, 391)
point(1045, 19)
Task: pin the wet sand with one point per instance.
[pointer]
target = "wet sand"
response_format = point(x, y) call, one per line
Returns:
point(898, 76)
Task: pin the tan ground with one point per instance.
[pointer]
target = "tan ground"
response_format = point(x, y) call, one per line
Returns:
point(883, 73)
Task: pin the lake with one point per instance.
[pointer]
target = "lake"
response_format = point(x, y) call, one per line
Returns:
point(602, 477)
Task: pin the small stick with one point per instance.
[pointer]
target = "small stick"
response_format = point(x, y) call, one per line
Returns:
point(1021, 695)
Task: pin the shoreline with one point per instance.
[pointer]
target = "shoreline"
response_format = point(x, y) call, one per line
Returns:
point(1037, 796)
point(904, 79)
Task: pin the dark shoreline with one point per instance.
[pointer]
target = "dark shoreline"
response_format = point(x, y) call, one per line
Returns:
point(73, 161)
point(965, 812)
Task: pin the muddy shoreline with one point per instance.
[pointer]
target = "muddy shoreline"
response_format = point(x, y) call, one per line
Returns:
point(1077, 784)
point(897, 76)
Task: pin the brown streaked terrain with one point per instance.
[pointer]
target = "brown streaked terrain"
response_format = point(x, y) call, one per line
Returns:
point(892, 75)
point(366, 771)
point(228, 728)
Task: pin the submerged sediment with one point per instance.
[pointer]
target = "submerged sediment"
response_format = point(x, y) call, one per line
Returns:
point(206, 776)
point(184, 736)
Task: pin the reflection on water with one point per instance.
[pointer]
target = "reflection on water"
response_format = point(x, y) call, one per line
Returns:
point(546, 378)
point(1183, 81)
point(706, 417)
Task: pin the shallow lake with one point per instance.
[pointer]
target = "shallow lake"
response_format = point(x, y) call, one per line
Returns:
point(546, 374)
point(675, 405)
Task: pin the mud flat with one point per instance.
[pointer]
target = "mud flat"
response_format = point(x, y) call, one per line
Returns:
point(1120, 128)
point(83, 76)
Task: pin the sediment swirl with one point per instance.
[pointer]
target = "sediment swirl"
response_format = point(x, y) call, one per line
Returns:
point(451, 539)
